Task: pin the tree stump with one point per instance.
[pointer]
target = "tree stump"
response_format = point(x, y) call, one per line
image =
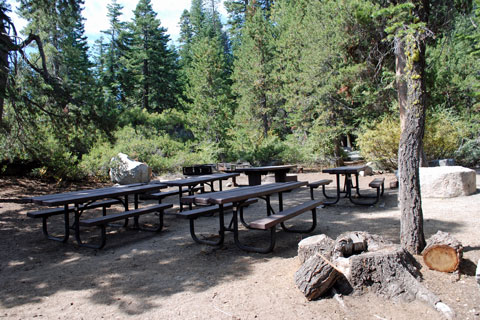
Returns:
point(368, 263)
point(310, 246)
point(443, 252)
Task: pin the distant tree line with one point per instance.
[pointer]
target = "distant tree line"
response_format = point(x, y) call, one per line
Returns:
point(282, 81)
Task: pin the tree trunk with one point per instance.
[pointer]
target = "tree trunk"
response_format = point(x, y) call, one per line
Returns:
point(410, 57)
point(146, 88)
point(4, 69)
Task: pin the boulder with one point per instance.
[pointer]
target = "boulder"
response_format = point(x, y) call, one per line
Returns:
point(447, 182)
point(367, 172)
point(124, 170)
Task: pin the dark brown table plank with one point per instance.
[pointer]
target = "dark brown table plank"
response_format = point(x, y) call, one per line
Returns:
point(192, 181)
point(345, 170)
point(244, 193)
point(94, 194)
point(255, 173)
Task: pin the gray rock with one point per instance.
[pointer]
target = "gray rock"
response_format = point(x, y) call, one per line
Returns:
point(124, 170)
point(447, 182)
point(441, 163)
point(367, 172)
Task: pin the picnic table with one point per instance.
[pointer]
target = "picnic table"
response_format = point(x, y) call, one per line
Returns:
point(237, 199)
point(255, 173)
point(347, 172)
point(79, 201)
point(192, 182)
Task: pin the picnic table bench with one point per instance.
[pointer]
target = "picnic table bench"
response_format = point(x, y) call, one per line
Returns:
point(78, 201)
point(255, 173)
point(102, 222)
point(239, 197)
point(348, 171)
point(189, 185)
point(47, 213)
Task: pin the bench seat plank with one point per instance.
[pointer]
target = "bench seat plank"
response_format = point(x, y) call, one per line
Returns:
point(197, 212)
point(45, 213)
point(103, 220)
point(377, 183)
point(273, 220)
point(319, 183)
point(164, 194)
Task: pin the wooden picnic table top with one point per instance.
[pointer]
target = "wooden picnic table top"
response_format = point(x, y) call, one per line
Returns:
point(266, 168)
point(244, 193)
point(191, 181)
point(345, 169)
point(82, 196)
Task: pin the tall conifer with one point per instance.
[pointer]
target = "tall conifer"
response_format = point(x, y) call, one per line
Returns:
point(151, 62)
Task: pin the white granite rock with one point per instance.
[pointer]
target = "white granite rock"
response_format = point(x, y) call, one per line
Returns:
point(447, 182)
point(124, 170)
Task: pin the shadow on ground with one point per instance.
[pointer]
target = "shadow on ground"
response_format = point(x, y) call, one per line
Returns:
point(142, 265)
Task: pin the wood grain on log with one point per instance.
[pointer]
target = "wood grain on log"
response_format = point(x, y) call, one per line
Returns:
point(443, 252)
point(315, 244)
point(316, 276)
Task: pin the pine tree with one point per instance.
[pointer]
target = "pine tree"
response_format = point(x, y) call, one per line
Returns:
point(59, 24)
point(113, 56)
point(151, 62)
point(252, 74)
point(207, 72)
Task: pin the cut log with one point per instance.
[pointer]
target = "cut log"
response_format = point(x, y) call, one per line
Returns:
point(350, 243)
point(310, 246)
point(316, 276)
point(443, 252)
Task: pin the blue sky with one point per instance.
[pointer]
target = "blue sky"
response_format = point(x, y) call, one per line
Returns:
point(95, 13)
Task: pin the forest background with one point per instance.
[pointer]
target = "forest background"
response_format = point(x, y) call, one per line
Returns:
point(282, 82)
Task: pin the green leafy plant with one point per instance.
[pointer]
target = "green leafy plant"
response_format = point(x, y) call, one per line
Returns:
point(469, 153)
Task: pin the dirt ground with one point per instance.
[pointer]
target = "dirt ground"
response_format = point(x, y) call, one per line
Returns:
point(168, 276)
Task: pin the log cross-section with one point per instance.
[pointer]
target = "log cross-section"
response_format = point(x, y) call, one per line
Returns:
point(443, 252)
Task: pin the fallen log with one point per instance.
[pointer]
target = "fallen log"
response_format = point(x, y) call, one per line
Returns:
point(316, 276)
point(443, 252)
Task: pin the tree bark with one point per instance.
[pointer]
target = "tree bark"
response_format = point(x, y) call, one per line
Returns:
point(5, 44)
point(410, 54)
point(316, 276)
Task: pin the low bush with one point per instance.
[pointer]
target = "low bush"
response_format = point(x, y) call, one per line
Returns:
point(379, 142)
point(468, 154)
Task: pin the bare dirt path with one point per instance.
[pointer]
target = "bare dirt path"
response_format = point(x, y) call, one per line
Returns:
point(168, 276)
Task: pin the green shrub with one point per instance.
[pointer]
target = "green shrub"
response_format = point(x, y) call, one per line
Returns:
point(320, 144)
point(269, 151)
point(379, 142)
point(442, 137)
point(468, 154)
point(158, 150)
